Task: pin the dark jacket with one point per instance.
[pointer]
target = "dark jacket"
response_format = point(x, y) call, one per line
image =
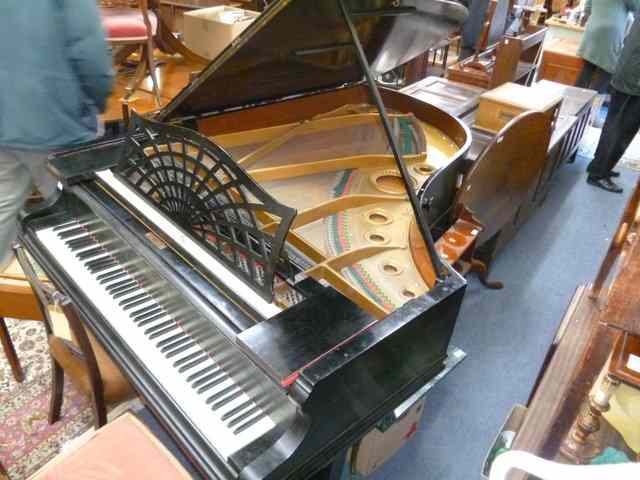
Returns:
point(627, 76)
point(55, 72)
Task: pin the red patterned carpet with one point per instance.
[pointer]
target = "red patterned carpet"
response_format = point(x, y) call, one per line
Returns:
point(27, 441)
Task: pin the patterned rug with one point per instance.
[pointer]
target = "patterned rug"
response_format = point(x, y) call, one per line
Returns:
point(27, 441)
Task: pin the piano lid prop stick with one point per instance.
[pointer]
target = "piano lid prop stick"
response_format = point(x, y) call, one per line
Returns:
point(441, 270)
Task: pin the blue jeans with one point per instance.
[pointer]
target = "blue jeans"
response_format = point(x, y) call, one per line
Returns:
point(19, 171)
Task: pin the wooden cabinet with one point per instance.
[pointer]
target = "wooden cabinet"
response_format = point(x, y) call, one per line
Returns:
point(560, 61)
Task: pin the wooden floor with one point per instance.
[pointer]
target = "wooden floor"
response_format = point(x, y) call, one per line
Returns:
point(173, 74)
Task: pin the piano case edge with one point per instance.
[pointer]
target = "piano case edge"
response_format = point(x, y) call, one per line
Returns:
point(367, 376)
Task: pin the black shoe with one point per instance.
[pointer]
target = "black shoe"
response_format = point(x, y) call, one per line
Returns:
point(605, 184)
point(613, 174)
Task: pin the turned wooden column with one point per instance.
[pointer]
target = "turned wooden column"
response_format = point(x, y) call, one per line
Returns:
point(581, 443)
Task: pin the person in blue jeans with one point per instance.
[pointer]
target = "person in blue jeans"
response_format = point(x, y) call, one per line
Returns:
point(55, 78)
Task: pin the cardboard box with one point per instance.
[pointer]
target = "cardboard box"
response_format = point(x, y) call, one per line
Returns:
point(381, 443)
point(501, 105)
point(208, 31)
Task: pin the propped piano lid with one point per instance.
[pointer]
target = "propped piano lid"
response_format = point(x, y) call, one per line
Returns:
point(291, 49)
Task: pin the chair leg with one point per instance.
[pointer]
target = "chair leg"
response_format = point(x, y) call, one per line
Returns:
point(122, 53)
point(10, 351)
point(99, 409)
point(57, 389)
point(138, 76)
point(151, 63)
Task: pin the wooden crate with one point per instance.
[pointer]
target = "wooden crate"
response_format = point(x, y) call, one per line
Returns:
point(501, 105)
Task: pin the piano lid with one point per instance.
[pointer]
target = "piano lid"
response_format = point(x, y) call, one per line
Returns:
point(299, 46)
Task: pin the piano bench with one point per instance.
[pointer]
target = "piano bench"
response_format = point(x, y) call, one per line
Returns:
point(105, 455)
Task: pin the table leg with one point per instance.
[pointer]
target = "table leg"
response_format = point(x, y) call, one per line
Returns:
point(10, 351)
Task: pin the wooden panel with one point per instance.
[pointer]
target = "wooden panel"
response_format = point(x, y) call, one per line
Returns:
point(17, 301)
point(580, 356)
point(559, 67)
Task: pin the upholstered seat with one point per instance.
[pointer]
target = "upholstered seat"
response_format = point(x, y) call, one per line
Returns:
point(133, 29)
point(127, 24)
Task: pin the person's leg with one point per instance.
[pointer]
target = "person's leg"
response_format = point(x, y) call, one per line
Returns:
point(586, 75)
point(620, 127)
point(42, 178)
point(608, 136)
point(601, 81)
point(15, 183)
point(629, 127)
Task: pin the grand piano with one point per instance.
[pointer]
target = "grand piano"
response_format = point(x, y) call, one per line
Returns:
point(255, 257)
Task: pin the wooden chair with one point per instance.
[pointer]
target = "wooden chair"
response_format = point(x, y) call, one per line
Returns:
point(17, 302)
point(129, 29)
point(74, 351)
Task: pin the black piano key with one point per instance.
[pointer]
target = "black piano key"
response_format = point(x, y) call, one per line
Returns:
point(152, 319)
point(188, 358)
point(240, 418)
point(221, 403)
point(172, 349)
point(127, 285)
point(234, 411)
point(222, 397)
point(201, 372)
point(72, 233)
point(92, 252)
point(146, 312)
point(64, 225)
point(81, 242)
point(161, 326)
point(163, 332)
point(198, 361)
point(101, 267)
point(107, 277)
point(213, 383)
point(248, 423)
point(92, 263)
point(180, 349)
point(202, 380)
point(135, 301)
point(125, 292)
point(120, 284)
point(172, 338)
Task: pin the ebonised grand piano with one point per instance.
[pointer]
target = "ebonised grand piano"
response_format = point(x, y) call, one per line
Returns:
point(255, 257)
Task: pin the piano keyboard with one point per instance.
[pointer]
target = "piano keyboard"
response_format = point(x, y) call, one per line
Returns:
point(213, 389)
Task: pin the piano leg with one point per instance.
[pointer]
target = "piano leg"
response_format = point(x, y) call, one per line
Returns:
point(57, 385)
point(10, 351)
